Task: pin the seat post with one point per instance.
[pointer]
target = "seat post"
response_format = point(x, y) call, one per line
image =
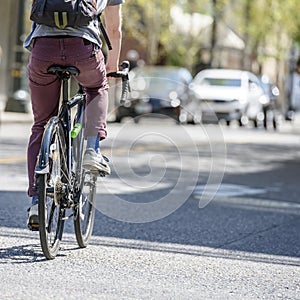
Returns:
point(64, 73)
point(65, 91)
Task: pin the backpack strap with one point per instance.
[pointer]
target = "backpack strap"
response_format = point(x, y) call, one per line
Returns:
point(105, 36)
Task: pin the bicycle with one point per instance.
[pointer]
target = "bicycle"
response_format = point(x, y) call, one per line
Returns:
point(61, 182)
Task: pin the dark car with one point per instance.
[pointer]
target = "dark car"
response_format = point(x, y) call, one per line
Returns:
point(161, 90)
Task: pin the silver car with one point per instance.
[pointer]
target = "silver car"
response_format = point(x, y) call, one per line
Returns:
point(229, 95)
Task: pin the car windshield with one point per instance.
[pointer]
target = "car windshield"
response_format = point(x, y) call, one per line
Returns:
point(230, 82)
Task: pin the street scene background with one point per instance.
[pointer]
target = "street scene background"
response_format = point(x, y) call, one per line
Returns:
point(208, 210)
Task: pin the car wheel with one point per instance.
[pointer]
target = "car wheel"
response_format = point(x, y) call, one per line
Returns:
point(197, 118)
point(266, 122)
point(118, 119)
point(259, 120)
point(136, 119)
point(276, 121)
point(269, 118)
point(243, 121)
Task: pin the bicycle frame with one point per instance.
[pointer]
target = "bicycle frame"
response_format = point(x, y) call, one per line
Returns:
point(63, 117)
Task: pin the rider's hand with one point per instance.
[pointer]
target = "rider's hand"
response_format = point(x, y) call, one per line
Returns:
point(111, 70)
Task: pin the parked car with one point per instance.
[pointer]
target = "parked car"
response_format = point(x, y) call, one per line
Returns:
point(162, 90)
point(271, 109)
point(230, 95)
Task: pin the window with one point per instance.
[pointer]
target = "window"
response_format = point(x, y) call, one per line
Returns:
point(230, 82)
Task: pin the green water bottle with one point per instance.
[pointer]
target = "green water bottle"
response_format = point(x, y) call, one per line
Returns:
point(76, 129)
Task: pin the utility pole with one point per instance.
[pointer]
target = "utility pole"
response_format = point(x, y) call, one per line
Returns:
point(154, 27)
point(214, 33)
point(246, 59)
point(16, 73)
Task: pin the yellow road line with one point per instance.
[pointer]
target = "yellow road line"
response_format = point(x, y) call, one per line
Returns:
point(12, 160)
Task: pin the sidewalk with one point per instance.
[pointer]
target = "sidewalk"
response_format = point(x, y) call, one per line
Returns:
point(13, 117)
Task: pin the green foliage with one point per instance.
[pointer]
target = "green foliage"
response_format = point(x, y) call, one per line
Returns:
point(148, 22)
point(270, 22)
point(268, 27)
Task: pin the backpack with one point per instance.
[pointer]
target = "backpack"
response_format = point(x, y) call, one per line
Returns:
point(63, 13)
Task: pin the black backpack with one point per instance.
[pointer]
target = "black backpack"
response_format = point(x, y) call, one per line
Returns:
point(63, 13)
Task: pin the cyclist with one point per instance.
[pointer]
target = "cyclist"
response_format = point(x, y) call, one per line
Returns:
point(79, 47)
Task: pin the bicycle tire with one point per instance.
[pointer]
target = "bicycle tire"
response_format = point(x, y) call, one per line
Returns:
point(51, 212)
point(85, 210)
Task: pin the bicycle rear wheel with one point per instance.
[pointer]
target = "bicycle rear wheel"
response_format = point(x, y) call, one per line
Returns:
point(85, 210)
point(85, 187)
point(50, 191)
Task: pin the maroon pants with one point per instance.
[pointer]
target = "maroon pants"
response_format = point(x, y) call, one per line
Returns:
point(45, 88)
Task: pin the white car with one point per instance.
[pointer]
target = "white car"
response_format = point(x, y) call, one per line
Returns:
point(229, 95)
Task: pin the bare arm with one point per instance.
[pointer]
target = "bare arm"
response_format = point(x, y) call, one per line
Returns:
point(113, 23)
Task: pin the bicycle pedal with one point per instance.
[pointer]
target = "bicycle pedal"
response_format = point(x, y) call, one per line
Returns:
point(33, 227)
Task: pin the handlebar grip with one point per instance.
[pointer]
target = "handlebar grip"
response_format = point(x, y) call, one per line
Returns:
point(125, 65)
point(125, 90)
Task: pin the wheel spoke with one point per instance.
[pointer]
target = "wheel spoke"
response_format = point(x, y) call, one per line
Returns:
point(85, 214)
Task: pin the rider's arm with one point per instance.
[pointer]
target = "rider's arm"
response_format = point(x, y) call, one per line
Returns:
point(113, 24)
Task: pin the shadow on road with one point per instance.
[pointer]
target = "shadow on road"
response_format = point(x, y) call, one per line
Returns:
point(263, 227)
point(265, 223)
point(21, 254)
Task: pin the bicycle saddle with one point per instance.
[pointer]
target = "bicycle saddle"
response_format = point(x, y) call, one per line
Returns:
point(63, 72)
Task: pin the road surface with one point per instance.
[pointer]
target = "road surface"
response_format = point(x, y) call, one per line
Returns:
point(189, 212)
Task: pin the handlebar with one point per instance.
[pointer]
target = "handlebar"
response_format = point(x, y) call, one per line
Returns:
point(123, 73)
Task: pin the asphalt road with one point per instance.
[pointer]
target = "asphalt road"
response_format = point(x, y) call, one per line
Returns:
point(189, 212)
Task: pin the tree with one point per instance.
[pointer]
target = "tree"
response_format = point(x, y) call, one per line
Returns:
point(268, 28)
point(148, 23)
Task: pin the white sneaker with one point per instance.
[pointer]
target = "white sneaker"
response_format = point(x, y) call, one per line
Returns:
point(33, 218)
point(95, 162)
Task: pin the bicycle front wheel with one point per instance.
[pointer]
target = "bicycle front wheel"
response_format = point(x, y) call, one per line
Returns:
point(85, 210)
point(50, 192)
